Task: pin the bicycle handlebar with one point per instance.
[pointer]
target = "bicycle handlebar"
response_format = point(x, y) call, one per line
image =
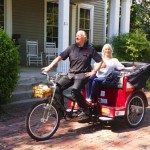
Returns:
point(52, 79)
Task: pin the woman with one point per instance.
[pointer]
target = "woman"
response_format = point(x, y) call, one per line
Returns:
point(111, 65)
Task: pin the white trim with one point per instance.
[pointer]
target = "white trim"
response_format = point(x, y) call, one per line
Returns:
point(105, 21)
point(73, 22)
point(8, 17)
point(91, 8)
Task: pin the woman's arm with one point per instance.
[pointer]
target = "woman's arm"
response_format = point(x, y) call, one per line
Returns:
point(130, 68)
point(96, 67)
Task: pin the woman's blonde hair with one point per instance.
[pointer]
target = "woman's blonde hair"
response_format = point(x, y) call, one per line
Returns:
point(104, 47)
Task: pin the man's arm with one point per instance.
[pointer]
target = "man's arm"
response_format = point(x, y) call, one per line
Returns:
point(51, 66)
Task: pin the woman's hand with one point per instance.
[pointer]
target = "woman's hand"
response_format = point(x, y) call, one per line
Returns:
point(90, 74)
point(130, 68)
point(133, 68)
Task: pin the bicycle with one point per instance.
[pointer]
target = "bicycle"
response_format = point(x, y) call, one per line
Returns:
point(44, 117)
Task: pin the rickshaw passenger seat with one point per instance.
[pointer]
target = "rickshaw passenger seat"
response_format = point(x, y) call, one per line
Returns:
point(114, 80)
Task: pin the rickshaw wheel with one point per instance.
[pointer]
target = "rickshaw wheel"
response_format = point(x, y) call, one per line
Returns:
point(135, 110)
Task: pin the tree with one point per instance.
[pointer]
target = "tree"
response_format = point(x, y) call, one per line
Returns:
point(9, 67)
point(140, 17)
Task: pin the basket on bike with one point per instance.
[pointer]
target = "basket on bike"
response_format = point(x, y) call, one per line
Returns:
point(42, 91)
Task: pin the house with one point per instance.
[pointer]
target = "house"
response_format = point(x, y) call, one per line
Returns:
point(58, 20)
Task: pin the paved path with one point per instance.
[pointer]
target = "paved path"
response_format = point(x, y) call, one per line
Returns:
point(74, 135)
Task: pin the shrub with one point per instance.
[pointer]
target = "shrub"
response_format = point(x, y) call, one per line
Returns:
point(147, 86)
point(9, 70)
point(131, 47)
point(119, 46)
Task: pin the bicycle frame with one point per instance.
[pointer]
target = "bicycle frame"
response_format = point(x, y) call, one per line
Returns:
point(52, 99)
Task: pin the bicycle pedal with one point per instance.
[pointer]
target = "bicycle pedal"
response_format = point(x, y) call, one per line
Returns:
point(68, 118)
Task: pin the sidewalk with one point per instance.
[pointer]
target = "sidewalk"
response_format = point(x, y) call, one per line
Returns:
point(72, 135)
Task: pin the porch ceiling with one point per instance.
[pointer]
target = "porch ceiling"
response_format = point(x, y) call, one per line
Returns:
point(76, 1)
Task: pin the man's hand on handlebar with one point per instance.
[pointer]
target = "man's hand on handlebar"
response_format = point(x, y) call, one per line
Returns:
point(45, 69)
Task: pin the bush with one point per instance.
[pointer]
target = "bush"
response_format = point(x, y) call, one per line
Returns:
point(9, 70)
point(119, 46)
point(131, 47)
point(147, 86)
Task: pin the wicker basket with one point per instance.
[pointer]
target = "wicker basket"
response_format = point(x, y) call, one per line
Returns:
point(42, 91)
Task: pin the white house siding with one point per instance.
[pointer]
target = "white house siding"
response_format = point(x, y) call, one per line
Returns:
point(99, 21)
point(28, 21)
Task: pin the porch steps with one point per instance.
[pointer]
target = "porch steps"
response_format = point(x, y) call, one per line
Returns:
point(23, 92)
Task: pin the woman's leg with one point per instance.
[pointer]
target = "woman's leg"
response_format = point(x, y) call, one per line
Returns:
point(94, 88)
point(88, 86)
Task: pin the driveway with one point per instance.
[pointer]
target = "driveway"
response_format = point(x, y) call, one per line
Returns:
point(74, 135)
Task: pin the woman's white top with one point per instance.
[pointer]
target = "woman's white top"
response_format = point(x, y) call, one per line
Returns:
point(111, 65)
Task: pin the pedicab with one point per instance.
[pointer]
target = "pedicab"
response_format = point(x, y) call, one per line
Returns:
point(120, 95)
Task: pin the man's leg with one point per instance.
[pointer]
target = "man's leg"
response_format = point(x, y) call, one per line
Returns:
point(62, 84)
point(76, 92)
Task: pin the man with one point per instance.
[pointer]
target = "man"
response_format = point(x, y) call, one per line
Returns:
point(80, 55)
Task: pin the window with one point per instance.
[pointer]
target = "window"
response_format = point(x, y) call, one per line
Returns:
point(52, 23)
point(85, 14)
point(2, 13)
point(85, 21)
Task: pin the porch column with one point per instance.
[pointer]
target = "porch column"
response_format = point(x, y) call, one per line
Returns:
point(125, 16)
point(8, 17)
point(63, 32)
point(113, 24)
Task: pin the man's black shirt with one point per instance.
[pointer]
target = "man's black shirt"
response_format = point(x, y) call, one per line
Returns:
point(80, 58)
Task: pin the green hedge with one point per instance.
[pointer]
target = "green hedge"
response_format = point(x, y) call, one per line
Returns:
point(131, 47)
point(9, 67)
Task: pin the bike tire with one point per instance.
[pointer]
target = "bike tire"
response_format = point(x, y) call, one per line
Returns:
point(135, 111)
point(42, 121)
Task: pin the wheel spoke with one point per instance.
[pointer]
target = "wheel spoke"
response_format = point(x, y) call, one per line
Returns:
point(135, 110)
point(42, 121)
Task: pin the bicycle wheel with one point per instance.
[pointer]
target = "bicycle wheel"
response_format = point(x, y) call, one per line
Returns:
point(42, 121)
point(135, 111)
